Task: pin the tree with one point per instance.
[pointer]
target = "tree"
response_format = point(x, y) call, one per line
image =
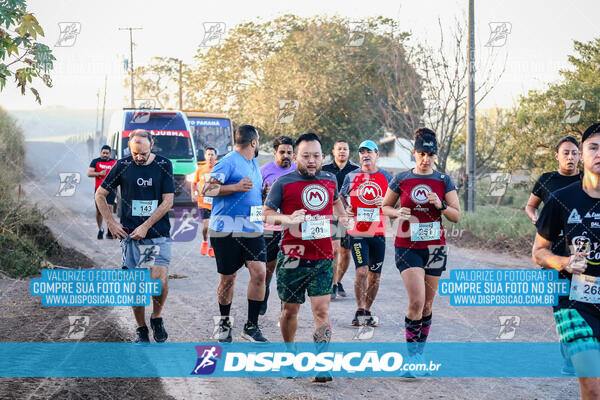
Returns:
point(158, 80)
point(20, 55)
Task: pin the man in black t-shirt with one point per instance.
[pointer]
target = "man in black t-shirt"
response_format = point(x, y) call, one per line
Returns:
point(147, 191)
point(340, 167)
point(575, 210)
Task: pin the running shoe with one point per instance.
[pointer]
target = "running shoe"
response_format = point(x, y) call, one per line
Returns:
point(340, 290)
point(141, 335)
point(204, 249)
point(334, 292)
point(211, 253)
point(323, 378)
point(369, 320)
point(224, 334)
point(100, 234)
point(252, 333)
point(158, 329)
point(263, 308)
point(358, 317)
point(418, 359)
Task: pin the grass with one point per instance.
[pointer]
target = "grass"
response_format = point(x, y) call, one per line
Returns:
point(493, 223)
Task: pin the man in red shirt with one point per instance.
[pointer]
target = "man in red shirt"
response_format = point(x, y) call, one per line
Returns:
point(99, 168)
point(365, 188)
point(307, 198)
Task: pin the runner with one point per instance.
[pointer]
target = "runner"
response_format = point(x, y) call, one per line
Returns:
point(147, 191)
point(425, 194)
point(99, 168)
point(366, 187)
point(283, 150)
point(204, 203)
point(340, 167)
point(575, 210)
point(236, 229)
point(307, 198)
point(568, 155)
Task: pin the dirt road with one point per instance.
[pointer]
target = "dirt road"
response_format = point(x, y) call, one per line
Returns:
point(192, 304)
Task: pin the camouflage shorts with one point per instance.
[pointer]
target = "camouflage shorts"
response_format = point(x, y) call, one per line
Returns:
point(296, 276)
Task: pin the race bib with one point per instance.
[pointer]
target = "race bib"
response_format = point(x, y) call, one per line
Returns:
point(143, 208)
point(208, 200)
point(585, 288)
point(424, 231)
point(256, 213)
point(319, 229)
point(367, 214)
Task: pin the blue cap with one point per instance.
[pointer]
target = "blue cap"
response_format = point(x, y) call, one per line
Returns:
point(369, 144)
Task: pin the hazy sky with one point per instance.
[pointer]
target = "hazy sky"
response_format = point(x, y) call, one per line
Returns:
point(541, 37)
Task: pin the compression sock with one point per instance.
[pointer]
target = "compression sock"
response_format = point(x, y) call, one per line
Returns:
point(412, 331)
point(225, 309)
point(253, 310)
point(425, 327)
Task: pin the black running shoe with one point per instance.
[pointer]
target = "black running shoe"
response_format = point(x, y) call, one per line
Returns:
point(100, 234)
point(359, 317)
point(224, 332)
point(109, 235)
point(323, 377)
point(340, 290)
point(141, 335)
point(263, 308)
point(252, 333)
point(334, 292)
point(369, 320)
point(158, 329)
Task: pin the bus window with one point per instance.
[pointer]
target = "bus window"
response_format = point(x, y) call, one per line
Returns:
point(211, 131)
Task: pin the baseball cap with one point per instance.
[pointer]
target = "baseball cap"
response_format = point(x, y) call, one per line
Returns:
point(369, 144)
point(591, 130)
point(426, 143)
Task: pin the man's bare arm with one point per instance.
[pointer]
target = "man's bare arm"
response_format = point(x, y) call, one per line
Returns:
point(113, 226)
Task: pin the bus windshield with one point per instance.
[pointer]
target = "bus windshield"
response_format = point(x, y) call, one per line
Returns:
point(171, 136)
point(211, 131)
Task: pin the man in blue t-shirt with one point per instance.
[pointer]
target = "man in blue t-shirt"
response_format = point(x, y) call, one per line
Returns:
point(147, 191)
point(236, 229)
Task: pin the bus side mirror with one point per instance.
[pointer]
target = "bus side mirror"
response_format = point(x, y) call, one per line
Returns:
point(200, 155)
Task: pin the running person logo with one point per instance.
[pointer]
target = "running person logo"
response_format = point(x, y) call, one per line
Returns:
point(315, 197)
point(419, 193)
point(368, 192)
point(508, 326)
point(77, 326)
point(68, 183)
point(207, 359)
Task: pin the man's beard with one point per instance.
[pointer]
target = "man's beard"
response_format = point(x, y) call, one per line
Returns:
point(256, 153)
point(304, 172)
point(285, 163)
point(141, 162)
point(104, 158)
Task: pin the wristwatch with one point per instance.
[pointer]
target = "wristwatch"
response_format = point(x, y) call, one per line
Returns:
point(444, 205)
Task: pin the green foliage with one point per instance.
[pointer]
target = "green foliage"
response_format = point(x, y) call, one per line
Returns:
point(20, 55)
point(495, 224)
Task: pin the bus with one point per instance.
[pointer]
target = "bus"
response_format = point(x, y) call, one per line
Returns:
point(210, 129)
point(172, 140)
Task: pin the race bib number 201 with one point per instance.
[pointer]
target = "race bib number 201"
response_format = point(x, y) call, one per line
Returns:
point(143, 208)
point(585, 288)
point(319, 229)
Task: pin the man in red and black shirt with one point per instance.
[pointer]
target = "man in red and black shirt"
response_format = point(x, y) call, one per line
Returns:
point(307, 199)
point(365, 188)
point(99, 168)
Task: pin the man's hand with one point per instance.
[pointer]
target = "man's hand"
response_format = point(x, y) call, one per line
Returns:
point(116, 229)
point(434, 199)
point(403, 213)
point(297, 217)
point(349, 210)
point(139, 232)
point(534, 219)
point(348, 222)
point(379, 201)
point(266, 189)
point(245, 185)
point(577, 263)
point(103, 172)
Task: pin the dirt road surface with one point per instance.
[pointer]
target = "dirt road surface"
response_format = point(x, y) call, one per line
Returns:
point(192, 304)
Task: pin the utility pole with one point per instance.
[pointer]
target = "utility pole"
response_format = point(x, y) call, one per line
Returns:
point(130, 29)
point(470, 148)
point(97, 115)
point(103, 107)
point(180, 85)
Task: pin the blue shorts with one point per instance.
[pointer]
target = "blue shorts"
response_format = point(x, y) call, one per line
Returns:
point(146, 252)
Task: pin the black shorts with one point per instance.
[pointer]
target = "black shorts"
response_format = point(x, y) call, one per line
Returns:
point(368, 251)
point(204, 213)
point(232, 252)
point(272, 239)
point(432, 259)
point(338, 232)
point(110, 199)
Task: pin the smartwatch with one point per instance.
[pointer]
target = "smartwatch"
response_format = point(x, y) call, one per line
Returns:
point(444, 205)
